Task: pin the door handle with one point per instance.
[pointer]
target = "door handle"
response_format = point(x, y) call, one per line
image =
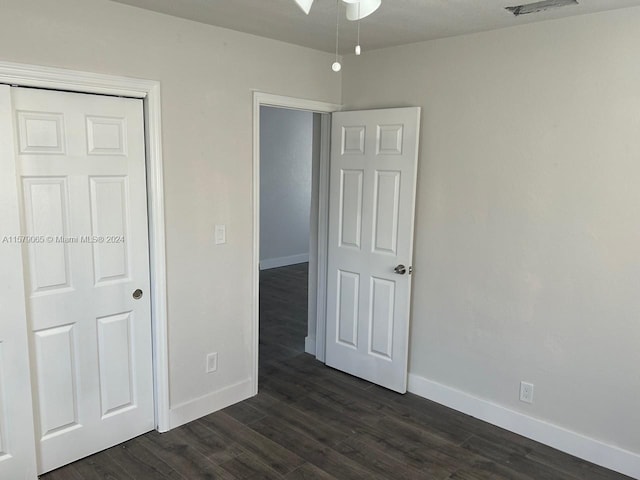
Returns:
point(401, 270)
point(137, 295)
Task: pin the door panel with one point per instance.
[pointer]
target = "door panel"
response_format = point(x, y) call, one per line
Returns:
point(115, 354)
point(374, 159)
point(349, 311)
point(351, 208)
point(386, 209)
point(17, 452)
point(81, 165)
point(46, 213)
point(55, 354)
point(381, 314)
point(109, 216)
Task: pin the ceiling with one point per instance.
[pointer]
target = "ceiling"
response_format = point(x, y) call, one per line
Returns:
point(397, 22)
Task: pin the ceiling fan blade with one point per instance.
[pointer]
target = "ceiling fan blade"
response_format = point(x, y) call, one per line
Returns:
point(305, 5)
point(361, 9)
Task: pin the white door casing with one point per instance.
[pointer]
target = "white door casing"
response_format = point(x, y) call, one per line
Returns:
point(17, 453)
point(374, 157)
point(81, 169)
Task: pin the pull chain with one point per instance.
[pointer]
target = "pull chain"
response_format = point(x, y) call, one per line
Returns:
point(336, 67)
point(358, 49)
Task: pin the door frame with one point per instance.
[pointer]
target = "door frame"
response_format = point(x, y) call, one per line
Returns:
point(260, 99)
point(24, 75)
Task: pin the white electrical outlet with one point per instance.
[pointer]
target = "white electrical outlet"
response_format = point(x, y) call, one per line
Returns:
point(526, 392)
point(212, 362)
point(221, 234)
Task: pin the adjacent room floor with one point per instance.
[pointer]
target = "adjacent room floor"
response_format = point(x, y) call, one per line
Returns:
point(313, 422)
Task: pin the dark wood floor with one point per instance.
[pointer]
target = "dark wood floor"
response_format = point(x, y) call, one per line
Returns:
point(283, 312)
point(312, 422)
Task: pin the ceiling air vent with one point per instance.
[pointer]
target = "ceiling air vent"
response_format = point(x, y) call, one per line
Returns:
point(540, 6)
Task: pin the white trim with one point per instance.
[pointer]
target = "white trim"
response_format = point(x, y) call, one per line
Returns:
point(581, 446)
point(310, 345)
point(280, 101)
point(266, 99)
point(212, 402)
point(157, 251)
point(323, 238)
point(72, 80)
point(149, 90)
point(269, 263)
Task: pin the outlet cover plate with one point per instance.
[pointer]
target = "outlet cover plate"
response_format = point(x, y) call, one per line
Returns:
point(526, 392)
point(220, 234)
point(212, 362)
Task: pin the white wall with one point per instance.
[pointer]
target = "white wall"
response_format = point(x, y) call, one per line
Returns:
point(286, 154)
point(527, 258)
point(207, 77)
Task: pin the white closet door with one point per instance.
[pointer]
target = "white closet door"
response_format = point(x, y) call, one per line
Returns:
point(81, 167)
point(17, 443)
point(374, 157)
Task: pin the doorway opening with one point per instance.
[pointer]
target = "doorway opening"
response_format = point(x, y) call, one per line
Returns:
point(291, 156)
point(289, 179)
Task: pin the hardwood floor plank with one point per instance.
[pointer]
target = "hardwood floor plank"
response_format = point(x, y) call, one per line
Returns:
point(485, 470)
point(572, 465)
point(309, 472)
point(437, 461)
point(375, 460)
point(436, 457)
point(338, 411)
point(311, 450)
point(183, 457)
point(140, 463)
point(274, 352)
point(513, 456)
point(100, 467)
point(261, 400)
point(440, 460)
point(248, 466)
point(284, 385)
point(314, 371)
point(244, 413)
point(410, 434)
point(447, 423)
point(394, 405)
point(70, 472)
point(284, 389)
point(215, 447)
point(308, 423)
point(275, 455)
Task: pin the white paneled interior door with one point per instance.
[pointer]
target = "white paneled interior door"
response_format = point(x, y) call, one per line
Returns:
point(17, 444)
point(374, 156)
point(80, 163)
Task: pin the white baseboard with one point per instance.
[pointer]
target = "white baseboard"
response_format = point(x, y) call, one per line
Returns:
point(573, 443)
point(268, 263)
point(194, 409)
point(310, 345)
